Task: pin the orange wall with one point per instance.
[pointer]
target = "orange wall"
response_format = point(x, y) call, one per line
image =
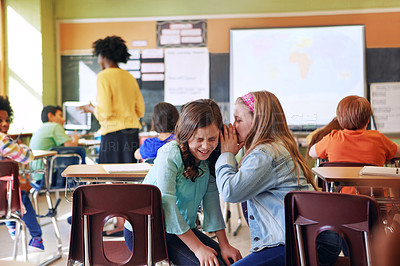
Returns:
point(75, 37)
point(382, 30)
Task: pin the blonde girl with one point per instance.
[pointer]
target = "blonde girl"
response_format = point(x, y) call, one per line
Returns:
point(271, 167)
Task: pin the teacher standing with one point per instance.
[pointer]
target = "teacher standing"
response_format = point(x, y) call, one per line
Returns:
point(119, 103)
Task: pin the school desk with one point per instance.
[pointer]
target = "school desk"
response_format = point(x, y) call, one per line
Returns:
point(96, 173)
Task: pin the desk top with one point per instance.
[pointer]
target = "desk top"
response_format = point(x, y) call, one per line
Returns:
point(96, 172)
point(89, 142)
point(350, 176)
point(43, 153)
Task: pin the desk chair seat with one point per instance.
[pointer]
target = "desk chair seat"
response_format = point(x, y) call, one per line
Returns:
point(307, 213)
point(93, 205)
point(10, 202)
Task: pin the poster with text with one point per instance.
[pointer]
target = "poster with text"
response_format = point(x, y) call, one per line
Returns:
point(186, 75)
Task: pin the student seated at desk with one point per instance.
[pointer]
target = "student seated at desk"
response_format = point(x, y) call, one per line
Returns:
point(50, 135)
point(355, 143)
point(164, 119)
point(15, 150)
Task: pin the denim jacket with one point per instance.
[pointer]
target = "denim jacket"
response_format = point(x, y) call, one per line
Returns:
point(263, 180)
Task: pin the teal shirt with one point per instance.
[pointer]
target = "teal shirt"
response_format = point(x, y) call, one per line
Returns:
point(48, 136)
point(181, 197)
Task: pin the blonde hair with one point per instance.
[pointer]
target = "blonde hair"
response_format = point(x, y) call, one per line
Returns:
point(269, 126)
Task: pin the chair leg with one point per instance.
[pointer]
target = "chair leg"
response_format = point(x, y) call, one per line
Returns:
point(20, 229)
point(17, 233)
point(24, 243)
point(227, 217)
point(239, 211)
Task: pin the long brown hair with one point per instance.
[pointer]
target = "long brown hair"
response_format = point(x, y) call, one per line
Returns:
point(269, 126)
point(196, 114)
point(322, 132)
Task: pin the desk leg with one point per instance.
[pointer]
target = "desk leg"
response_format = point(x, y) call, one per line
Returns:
point(53, 219)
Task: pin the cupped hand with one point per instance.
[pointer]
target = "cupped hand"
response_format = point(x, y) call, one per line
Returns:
point(207, 256)
point(229, 140)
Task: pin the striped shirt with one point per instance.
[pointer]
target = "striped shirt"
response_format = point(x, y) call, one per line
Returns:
point(14, 151)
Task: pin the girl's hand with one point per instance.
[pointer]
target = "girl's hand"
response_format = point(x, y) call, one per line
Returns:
point(229, 252)
point(207, 256)
point(229, 140)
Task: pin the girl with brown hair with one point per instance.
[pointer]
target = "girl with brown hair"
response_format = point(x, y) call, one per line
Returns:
point(184, 172)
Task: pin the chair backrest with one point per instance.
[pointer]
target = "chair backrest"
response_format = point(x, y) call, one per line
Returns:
point(308, 213)
point(9, 172)
point(60, 162)
point(134, 202)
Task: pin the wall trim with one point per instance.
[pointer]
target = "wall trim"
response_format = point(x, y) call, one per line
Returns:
point(230, 16)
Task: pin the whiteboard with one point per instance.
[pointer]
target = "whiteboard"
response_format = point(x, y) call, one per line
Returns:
point(309, 69)
point(385, 103)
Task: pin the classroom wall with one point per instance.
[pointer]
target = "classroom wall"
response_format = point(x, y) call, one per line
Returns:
point(382, 30)
point(81, 9)
point(77, 36)
point(41, 15)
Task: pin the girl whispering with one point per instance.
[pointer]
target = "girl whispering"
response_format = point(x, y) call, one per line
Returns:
point(271, 167)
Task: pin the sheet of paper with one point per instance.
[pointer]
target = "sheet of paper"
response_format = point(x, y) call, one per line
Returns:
point(385, 103)
point(376, 170)
point(127, 168)
point(186, 75)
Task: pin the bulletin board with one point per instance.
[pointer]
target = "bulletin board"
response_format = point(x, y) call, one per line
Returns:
point(385, 102)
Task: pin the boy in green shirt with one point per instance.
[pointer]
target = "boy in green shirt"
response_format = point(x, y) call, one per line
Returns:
point(50, 135)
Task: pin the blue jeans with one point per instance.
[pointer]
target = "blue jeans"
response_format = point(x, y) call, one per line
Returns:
point(268, 256)
point(29, 217)
point(178, 252)
point(329, 246)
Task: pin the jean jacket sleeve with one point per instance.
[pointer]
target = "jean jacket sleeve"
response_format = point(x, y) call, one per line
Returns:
point(252, 178)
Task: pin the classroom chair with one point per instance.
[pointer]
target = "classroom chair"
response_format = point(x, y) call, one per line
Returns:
point(308, 213)
point(389, 204)
point(55, 183)
point(94, 205)
point(10, 203)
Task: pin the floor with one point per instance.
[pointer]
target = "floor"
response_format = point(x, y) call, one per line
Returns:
point(241, 240)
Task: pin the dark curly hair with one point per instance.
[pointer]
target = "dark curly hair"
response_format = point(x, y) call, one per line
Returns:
point(6, 106)
point(112, 48)
point(164, 118)
point(197, 114)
